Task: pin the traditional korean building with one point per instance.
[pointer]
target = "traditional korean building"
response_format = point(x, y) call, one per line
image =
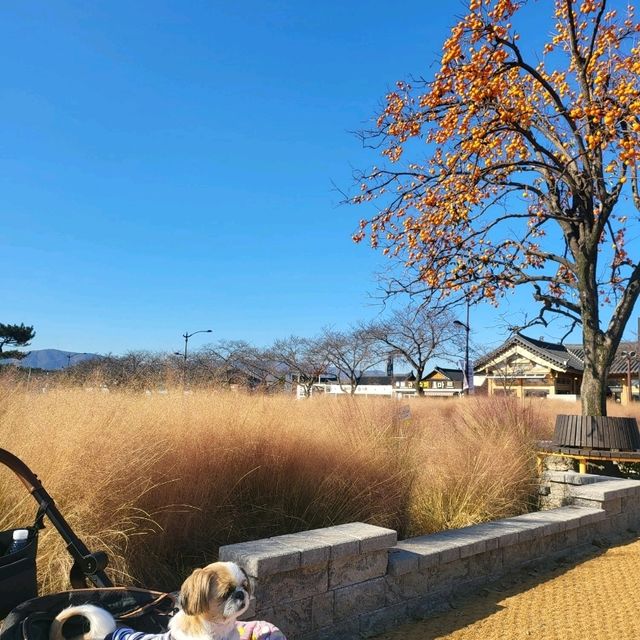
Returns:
point(526, 367)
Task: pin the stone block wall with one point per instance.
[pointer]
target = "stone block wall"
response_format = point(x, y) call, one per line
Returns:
point(356, 580)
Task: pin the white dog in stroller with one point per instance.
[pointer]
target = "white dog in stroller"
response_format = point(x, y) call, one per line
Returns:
point(211, 601)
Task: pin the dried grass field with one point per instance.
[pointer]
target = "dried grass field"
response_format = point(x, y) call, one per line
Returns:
point(161, 481)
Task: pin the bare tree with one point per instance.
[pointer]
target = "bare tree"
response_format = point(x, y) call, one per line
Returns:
point(303, 358)
point(237, 362)
point(350, 353)
point(418, 333)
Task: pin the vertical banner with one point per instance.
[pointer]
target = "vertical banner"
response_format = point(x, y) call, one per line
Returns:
point(469, 376)
point(465, 383)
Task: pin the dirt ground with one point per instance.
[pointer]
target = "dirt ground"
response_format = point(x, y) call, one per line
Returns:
point(595, 597)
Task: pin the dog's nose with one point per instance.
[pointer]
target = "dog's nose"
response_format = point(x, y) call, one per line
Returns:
point(239, 594)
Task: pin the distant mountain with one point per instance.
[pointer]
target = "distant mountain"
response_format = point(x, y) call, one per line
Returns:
point(50, 359)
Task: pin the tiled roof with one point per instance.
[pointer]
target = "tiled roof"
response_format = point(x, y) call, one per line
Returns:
point(619, 365)
point(452, 374)
point(557, 354)
point(567, 356)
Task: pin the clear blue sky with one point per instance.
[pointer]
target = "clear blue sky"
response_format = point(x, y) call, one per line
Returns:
point(168, 166)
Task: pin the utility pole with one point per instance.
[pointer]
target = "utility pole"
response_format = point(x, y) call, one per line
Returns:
point(468, 376)
point(186, 335)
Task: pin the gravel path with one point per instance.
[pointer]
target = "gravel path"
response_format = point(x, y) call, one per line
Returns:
point(597, 598)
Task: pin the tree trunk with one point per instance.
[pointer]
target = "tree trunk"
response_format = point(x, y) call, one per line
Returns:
point(598, 355)
point(593, 393)
point(419, 376)
point(598, 348)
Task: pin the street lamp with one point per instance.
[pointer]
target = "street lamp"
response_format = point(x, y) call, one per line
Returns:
point(466, 328)
point(72, 355)
point(629, 356)
point(186, 335)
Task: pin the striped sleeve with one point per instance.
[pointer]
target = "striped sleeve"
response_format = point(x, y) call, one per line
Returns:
point(124, 633)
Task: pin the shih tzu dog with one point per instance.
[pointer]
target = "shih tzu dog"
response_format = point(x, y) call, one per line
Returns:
point(211, 600)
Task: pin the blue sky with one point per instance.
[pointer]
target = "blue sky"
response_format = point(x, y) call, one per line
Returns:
point(169, 166)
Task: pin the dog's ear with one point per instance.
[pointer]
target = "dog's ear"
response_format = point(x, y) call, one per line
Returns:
point(194, 593)
point(246, 577)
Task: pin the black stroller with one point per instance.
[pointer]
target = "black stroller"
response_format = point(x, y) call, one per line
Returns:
point(28, 616)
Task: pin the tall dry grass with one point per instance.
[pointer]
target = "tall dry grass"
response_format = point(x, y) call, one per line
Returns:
point(161, 481)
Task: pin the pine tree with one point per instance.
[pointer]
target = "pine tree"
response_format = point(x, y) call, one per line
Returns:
point(14, 335)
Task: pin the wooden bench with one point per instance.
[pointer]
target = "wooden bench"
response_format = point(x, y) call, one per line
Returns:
point(583, 455)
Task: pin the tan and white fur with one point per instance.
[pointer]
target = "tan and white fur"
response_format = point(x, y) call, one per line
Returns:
point(211, 600)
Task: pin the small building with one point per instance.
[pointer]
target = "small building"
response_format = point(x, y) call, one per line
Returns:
point(399, 385)
point(367, 386)
point(442, 382)
point(405, 387)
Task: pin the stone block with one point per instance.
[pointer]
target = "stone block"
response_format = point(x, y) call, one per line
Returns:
point(409, 585)
point(312, 550)
point(340, 544)
point(488, 535)
point(520, 553)
point(603, 528)
point(322, 610)
point(469, 541)
point(349, 570)
point(508, 530)
point(566, 517)
point(291, 585)
point(590, 516)
point(486, 564)
point(591, 492)
point(293, 618)
point(402, 561)
point(428, 549)
point(377, 622)
point(370, 537)
point(261, 557)
point(359, 598)
point(619, 522)
point(443, 576)
point(577, 479)
point(426, 606)
point(587, 502)
point(585, 534)
point(630, 504)
point(612, 506)
point(345, 630)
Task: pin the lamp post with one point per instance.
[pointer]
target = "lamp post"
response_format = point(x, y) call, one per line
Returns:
point(186, 335)
point(69, 356)
point(466, 328)
point(629, 356)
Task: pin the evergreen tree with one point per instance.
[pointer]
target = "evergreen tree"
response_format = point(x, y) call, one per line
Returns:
point(14, 335)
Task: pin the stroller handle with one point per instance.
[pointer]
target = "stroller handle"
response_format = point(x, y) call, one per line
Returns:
point(86, 565)
point(26, 476)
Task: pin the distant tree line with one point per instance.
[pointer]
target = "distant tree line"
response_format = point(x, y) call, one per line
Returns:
point(412, 336)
